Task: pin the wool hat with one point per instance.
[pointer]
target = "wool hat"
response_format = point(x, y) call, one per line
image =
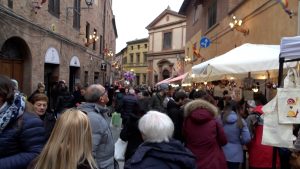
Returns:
point(164, 86)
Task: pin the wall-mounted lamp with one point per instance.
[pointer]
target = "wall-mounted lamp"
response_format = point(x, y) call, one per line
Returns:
point(237, 25)
point(92, 39)
point(189, 60)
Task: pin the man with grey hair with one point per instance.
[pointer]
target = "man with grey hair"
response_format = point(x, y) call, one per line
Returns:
point(103, 144)
point(159, 150)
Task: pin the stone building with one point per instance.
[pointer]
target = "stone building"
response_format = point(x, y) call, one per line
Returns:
point(263, 22)
point(47, 41)
point(166, 46)
point(135, 60)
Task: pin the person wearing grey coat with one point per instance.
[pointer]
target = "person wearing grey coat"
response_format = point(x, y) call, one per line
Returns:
point(103, 144)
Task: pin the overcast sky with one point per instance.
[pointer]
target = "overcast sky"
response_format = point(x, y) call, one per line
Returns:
point(132, 17)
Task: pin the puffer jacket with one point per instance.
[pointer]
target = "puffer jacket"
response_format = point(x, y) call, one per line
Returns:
point(129, 101)
point(103, 143)
point(165, 155)
point(21, 141)
point(204, 135)
point(236, 137)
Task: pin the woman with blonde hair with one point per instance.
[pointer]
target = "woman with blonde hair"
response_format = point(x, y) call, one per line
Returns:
point(70, 144)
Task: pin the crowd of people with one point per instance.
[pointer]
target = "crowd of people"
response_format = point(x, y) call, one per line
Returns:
point(165, 128)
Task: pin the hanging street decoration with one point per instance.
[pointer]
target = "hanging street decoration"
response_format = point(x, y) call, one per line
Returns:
point(285, 4)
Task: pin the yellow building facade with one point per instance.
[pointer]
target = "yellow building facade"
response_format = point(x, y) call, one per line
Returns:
point(135, 60)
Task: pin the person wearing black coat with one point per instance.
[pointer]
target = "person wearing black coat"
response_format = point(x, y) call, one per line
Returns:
point(21, 133)
point(129, 102)
point(64, 101)
point(175, 112)
point(159, 151)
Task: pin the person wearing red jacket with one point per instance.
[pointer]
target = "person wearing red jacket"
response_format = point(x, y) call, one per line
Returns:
point(204, 135)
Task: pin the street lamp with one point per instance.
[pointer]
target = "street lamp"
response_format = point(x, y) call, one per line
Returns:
point(92, 39)
point(237, 25)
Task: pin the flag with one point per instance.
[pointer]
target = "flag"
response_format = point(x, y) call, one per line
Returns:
point(285, 4)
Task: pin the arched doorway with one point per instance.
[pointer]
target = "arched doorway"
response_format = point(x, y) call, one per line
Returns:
point(74, 73)
point(14, 53)
point(165, 74)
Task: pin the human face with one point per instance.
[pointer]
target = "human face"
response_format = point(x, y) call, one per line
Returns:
point(40, 107)
point(104, 98)
point(82, 92)
point(41, 89)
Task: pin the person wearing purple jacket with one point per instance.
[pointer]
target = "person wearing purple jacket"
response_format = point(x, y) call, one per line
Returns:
point(237, 133)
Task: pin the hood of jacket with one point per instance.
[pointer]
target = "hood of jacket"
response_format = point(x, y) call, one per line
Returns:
point(231, 118)
point(93, 107)
point(170, 152)
point(200, 105)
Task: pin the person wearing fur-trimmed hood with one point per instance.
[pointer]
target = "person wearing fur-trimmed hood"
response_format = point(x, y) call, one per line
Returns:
point(204, 135)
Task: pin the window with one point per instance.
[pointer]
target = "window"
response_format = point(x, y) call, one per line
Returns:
point(86, 78)
point(10, 4)
point(54, 7)
point(125, 60)
point(167, 40)
point(131, 47)
point(96, 78)
point(137, 79)
point(144, 78)
point(137, 58)
point(87, 31)
point(196, 13)
point(76, 14)
point(212, 14)
point(131, 58)
point(138, 46)
point(101, 44)
point(145, 57)
point(145, 46)
point(94, 43)
point(155, 78)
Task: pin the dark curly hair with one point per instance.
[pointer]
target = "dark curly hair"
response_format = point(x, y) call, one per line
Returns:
point(6, 89)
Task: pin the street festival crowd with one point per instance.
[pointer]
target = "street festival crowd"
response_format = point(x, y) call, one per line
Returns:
point(162, 128)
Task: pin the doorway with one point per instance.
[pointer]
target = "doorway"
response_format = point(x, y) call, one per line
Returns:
point(50, 79)
point(73, 78)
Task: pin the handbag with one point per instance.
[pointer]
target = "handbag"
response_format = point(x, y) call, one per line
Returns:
point(120, 148)
point(288, 99)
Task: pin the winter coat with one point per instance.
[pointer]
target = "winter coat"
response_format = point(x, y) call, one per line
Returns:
point(165, 155)
point(236, 138)
point(21, 141)
point(260, 156)
point(204, 135)
point(64, 102)
point(129, 101)
point(119, 102)
point(144, 104)
point(175, 112)
point(157, 103)
point(49, 120)
point(103, 144)
point(132, 135)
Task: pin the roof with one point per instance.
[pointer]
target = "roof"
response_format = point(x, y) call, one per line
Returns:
point(185, 5)
point(165, 12)
point(137, 41)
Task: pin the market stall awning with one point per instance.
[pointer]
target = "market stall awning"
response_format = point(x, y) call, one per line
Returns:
point(290, 47)
point(164, 81)
point(240, 60)
point(178, 78)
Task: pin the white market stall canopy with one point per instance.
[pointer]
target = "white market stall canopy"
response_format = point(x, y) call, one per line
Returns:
point(290, 47)
point(246, 58)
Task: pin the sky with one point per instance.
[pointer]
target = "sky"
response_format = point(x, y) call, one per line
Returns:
point(133, 16)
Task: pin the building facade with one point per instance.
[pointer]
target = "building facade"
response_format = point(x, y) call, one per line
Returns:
point(47, 41)
point(166, 46)
point(262, 22)
point(135, 60)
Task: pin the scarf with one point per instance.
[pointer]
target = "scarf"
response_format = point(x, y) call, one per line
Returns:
point(11, 112)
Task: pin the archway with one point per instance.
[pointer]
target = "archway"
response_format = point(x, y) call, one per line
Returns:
point(14, 54)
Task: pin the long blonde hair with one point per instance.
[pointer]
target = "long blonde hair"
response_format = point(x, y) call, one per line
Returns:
point(70, 143)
